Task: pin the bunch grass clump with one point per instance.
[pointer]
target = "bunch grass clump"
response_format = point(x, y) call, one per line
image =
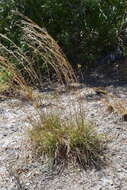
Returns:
point(119, 107)
point(38, 58)
point(67, 141)
point(44, 47)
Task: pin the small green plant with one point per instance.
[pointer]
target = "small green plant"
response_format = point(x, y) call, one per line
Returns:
point(69, 141)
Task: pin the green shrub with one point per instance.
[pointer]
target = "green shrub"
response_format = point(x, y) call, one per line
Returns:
point(85, 29)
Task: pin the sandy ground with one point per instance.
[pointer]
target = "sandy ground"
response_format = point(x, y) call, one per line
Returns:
point(20, 171)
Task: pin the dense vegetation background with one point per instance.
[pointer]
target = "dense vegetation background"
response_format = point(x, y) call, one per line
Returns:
point(86, 30)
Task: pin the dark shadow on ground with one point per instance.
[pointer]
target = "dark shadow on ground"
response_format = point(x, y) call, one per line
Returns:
point(105, 76)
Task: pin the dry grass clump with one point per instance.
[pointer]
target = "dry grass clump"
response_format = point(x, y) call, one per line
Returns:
point(67, 141)
point(41, 59)
point(42, 45)
point(14, 84)
point(121, 109)
point(14, 75)
point(118, 107)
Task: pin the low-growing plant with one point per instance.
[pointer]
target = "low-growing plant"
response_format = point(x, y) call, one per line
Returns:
point(117, 106)
point(67, 141)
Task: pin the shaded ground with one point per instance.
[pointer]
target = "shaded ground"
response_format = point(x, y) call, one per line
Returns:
point(19, 170)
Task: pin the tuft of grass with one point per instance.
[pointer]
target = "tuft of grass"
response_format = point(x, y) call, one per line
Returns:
point(67, 141)
point(117, 106)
